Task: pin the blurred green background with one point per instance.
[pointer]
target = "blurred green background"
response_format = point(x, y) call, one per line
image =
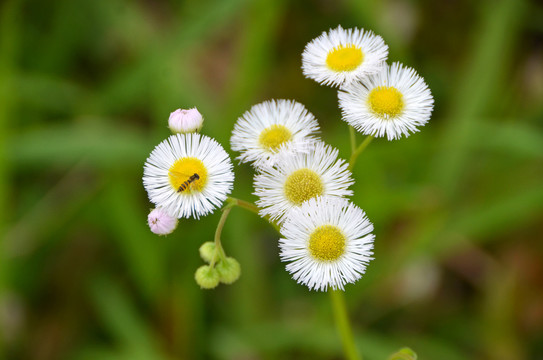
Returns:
point(86, 88)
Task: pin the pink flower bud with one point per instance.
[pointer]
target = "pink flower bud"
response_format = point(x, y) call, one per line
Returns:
point(160, 222)
point(185, 121)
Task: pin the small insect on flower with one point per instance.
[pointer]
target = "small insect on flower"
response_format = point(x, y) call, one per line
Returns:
point(188, 175)
point(187, 183)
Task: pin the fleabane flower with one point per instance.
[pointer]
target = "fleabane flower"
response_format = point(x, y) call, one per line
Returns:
point(340, 56)
point(327, 243)
point(270, 127)
point(299, 177)
point(188, 175)
point(393, 102)
point(160, 222)
point(185, 121)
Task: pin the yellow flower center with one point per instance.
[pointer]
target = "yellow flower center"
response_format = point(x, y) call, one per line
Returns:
point(327, 243)
point(344, 58)
point(182, 177)
point(302, 185)
point(272, 137)
point(386, 101)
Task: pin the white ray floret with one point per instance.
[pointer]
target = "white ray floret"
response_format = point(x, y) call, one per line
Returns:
point(170, 181)
point(327, 243)
point(270, 127)
point(393, 102)
point(300, 177)
point(340, 56)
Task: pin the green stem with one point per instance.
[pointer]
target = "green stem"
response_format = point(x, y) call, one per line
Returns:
point(243, 204)
point(343, 325)
point(252, 208)
point(359, 150)
point(219, 252)
point(352, 131)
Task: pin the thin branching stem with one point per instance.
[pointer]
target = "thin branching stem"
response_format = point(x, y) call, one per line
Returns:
point(252, 208)
point(359, 150)
point(219, 252)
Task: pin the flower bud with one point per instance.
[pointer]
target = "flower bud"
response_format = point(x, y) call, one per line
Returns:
point(207, 277)
point(185, 121)
point(404, 354)
point(229, 270)
point(160, 222)
point(207, 251)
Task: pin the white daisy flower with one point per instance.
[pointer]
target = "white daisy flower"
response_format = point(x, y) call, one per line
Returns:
point(343, 55)
point(327, 242)
point(393, 102)
point(188, 175)
point(272, 126)
point(300, 177)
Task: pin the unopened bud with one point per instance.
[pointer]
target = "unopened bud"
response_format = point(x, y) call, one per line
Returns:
point(404, 354)
point(207, 277)
point(185, 121)
point(160, 222)
point(207, 251)
point(229, 270)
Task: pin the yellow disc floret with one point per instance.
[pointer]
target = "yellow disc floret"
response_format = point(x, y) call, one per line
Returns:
point(326, 243)
point(274, 136)
point(182, 177)
point(344, 58)
point(386, 101)
point(302, 185)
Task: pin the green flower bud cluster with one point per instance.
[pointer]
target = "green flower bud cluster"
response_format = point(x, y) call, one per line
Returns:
point(220, 269)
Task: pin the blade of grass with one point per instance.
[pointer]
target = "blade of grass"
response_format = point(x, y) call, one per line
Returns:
point(70, 195)
point(100, 144)
point(45, 92)
point(515, 138)
point(121, 319)
point(489, 55)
